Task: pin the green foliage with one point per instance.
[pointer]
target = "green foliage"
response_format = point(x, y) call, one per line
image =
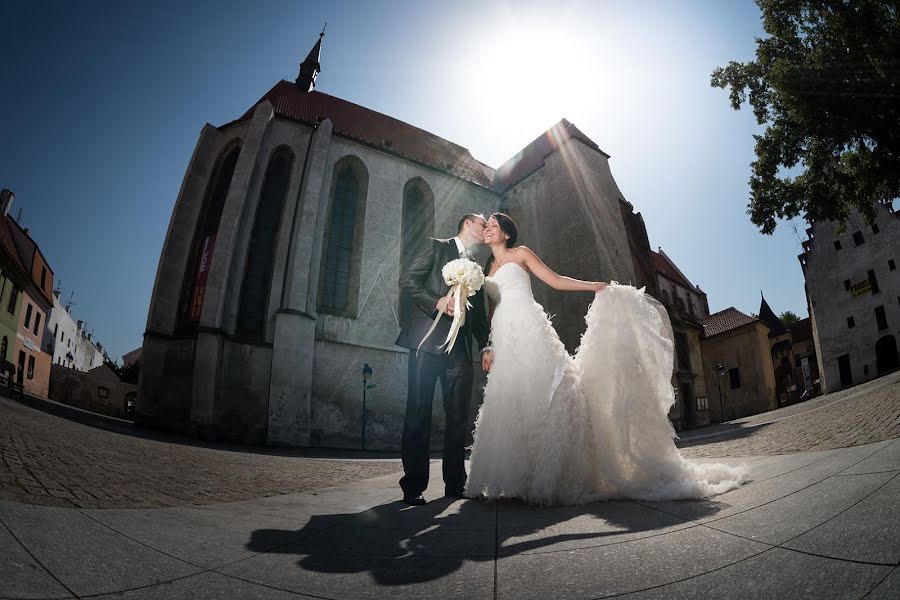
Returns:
point(826, 83)
point(130, 373)
point(789, 318)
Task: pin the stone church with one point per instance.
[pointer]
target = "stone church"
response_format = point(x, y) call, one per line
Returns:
point(277, 282)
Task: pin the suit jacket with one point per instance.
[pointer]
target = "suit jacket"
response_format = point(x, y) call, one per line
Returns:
point(421, 286)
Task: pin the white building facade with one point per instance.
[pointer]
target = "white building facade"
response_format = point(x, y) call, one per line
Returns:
point(853, 289)
point(68, 341)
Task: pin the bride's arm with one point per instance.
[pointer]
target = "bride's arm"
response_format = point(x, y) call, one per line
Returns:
point(554, 279)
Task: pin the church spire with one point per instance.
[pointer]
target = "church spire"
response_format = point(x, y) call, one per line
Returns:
point(309, 68)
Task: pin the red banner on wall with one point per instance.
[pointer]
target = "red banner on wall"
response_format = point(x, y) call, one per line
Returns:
point(200, 281)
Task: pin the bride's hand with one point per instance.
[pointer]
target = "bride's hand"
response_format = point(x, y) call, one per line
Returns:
point(487, 360)
point(599, 286)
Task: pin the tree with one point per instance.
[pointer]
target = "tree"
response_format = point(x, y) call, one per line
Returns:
point(826, 83)
point(130, 373)
point(789, 318)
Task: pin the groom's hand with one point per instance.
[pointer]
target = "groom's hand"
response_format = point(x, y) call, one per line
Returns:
point(445, 306)
point(487, 360)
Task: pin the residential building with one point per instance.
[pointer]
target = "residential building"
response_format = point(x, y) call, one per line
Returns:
point(687, 307)
point(13, 279)
point(853, 290)
point(738, 365)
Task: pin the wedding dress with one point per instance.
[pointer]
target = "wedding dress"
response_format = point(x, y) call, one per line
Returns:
point(558, 429)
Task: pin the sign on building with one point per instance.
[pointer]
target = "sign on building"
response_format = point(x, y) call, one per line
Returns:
point(860, 287)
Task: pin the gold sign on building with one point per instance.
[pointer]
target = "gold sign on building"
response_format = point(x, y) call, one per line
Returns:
point(860, 287)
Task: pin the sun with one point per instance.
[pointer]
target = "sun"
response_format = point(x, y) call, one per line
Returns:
point(528, 74)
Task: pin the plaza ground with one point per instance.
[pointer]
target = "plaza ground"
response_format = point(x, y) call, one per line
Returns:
point(90, 507)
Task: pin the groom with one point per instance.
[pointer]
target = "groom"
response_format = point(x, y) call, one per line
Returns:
point(424, 293)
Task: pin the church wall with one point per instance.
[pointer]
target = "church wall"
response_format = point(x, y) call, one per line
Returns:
point(344, 345)
point(568, 212)
point(243, 393)
point(166, 380)
point(280, 133)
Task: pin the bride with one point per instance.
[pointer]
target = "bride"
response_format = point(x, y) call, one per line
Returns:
point(558, 429)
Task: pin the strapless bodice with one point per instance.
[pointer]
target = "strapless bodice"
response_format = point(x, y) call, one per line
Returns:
point(509, 280)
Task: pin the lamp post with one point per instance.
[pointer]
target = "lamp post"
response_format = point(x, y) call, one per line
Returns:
point(720, 369)
point(366, 373)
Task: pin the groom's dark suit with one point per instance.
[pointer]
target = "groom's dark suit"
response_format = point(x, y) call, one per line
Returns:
point(421, 286)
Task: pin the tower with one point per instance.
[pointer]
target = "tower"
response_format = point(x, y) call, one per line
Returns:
point(309, 68)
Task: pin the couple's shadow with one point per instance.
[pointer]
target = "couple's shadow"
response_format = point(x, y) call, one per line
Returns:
point(398, 545)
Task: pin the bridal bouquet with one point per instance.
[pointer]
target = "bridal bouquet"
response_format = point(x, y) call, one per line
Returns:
point(464, 278)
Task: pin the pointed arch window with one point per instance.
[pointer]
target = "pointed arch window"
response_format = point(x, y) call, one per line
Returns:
point(417, 223)
point(342, 253)
point(261, 252)
point(200, 257)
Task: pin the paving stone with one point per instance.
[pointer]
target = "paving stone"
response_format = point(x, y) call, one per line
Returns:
point(21, 576)
point(368, 577)
point(83, 554)
point(205, 586)
point(523, 529)
point(796, 514)
point(619, 568)
point(886, 459)
point(889, 589)
point(866, 532)
point(192, 542)
point(794, 475)
point(776, 573)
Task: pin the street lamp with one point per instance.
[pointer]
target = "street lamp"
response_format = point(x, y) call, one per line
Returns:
point(720, 369)
point(366, 373)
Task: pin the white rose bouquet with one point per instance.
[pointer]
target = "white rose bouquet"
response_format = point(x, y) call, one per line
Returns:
point(464, 277)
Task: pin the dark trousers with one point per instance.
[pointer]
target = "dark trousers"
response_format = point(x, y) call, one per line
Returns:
point(455, 373)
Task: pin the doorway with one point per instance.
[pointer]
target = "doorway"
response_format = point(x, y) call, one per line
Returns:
point(844, 369)
point(886, 355)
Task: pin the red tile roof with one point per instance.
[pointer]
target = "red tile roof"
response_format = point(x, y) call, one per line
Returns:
point(533, 155)
point(665, 267)
point(9, 246)
point(372, 128)
point(724, 321)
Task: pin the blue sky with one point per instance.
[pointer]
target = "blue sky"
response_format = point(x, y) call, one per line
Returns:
point(103, 102)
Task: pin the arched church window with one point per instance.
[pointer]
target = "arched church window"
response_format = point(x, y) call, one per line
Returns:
point(200, 257)
point(261, 251)
point(339, 285)
point(417, 223)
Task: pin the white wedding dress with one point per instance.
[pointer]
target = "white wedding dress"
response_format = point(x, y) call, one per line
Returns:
point(557, 429)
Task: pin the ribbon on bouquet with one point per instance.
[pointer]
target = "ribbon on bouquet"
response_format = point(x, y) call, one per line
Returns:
point(459, 317)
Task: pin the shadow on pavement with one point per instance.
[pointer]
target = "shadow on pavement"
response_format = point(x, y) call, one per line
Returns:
point(399, 545)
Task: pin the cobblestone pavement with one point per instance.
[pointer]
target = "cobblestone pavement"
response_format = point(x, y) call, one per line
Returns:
point(867, 413)
point(45, 459)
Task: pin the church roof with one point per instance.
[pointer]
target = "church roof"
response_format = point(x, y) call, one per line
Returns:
point(725, 321)
point(770, 319)
point(530, 158)
point(663, 265)
point(375, 129)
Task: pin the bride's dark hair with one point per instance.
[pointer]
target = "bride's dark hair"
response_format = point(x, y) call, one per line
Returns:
point(507, 226)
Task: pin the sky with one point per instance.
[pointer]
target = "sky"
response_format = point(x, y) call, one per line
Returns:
point(102, 104)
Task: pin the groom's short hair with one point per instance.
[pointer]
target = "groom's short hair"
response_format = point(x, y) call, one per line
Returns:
point(468, 217)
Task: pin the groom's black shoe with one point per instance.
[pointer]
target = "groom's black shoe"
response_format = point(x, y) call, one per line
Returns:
point(414, 500)
point(454, 493)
